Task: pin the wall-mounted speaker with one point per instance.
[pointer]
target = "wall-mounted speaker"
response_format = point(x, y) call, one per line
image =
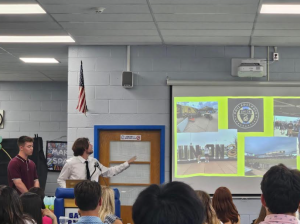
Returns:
point(127, 79)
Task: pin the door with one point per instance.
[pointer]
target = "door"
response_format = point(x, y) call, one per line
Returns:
point(142, 173)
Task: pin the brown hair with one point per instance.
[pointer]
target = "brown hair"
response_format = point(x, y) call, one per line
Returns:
point(80, 145)
point(211, 216)
point(224, 207)
point(262, 215)
point(21, 141)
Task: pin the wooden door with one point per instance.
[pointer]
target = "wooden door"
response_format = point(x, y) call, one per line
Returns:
point(142, 173)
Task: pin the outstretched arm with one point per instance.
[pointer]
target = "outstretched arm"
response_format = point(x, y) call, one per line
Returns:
point(131, 160)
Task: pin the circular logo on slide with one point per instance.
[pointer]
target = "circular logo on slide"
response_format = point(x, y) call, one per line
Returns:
point(245, 115)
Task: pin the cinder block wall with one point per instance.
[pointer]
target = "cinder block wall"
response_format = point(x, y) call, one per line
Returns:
point(148, 103)
point(35, 108)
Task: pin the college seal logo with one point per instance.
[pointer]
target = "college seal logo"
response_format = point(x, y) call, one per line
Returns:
point(245, 115)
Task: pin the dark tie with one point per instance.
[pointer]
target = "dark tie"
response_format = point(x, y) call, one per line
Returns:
point(88, 175)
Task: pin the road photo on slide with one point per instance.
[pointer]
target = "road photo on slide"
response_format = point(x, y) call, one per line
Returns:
point(261, 153)
point(197, 117)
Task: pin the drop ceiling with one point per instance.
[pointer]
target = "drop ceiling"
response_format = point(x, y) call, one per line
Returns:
point(138, 22)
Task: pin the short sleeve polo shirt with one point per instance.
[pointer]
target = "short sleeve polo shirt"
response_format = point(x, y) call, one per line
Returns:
point(19, 168)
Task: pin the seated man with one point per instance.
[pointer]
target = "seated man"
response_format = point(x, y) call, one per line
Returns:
point(280, 195)
point(175, 203)
point(88, 199)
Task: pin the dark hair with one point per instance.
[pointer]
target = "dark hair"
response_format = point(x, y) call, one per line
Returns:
point(262, 215)
point(32, 206)
point(23, 139)
point(174, 202)
point(224, 207)
point(87, 195)
point(80, 145)
point(40, 192)
point(11, 210)
point(281, 189)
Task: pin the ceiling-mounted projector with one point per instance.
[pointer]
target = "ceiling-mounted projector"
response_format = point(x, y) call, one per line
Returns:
point(251, 68)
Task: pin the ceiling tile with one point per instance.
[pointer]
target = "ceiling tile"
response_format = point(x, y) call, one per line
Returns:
point(103, 17)
point(277, 33)
point(207, 40)
point(211, 33)
point(205, 17)
point(88, 32)
point(110, 25)
point(217, 9)
point(120, 40)
point(211, 2)
point(203, 26)
point(276, 41)
point(95, 2)
point(90, 8)
point(277, 26)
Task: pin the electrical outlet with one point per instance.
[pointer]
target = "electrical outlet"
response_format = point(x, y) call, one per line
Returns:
point(275, 56)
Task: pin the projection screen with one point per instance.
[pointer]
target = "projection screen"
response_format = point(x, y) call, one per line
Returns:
point(230, 135)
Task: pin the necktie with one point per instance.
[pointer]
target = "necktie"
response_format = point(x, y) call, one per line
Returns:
point(88, 175)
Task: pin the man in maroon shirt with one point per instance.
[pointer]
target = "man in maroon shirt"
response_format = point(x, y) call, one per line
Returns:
point(21, 171)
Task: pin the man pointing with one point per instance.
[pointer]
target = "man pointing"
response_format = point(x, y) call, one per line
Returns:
point(82, 166)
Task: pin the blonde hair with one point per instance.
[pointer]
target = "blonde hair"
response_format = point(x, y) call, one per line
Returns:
point(211, 216)
point(108, 202)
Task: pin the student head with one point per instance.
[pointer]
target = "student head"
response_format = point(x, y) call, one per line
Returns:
point(40, 192)
point(25, 144)
point(88, 195)
point(11, 210)
point(280, 188)
point(32, 205)
point(108, 202)
point(223, 204)
point(174, 202)
point(211, 216)
point(82, 145)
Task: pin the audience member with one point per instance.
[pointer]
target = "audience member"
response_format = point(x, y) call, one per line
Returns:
point(11, 210)
point(280, 188)
point(32, 205)
point(21, 171)
point(223, 204)
point(174, 202)
point(88, 199)
point(40, 192)
point(107, 209)
point(261, 216)
point(211, 216)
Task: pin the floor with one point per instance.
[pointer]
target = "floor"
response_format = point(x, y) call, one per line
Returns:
point(218, 167)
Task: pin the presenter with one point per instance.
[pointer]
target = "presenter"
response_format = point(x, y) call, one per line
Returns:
point(84, 167)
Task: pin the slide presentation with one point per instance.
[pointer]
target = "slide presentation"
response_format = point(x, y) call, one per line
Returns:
point(232, 141)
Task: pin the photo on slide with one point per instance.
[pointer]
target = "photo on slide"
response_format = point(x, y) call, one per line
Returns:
point(286, 117)
point(197, 117)
point(261, 153)
point(207, 153)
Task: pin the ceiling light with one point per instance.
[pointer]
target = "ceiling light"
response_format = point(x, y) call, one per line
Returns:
point(21, 9)
point(280, 9)
point(39, 60)
point(35, 39)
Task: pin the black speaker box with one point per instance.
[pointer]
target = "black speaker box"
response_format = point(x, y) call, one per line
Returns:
point(127, 79)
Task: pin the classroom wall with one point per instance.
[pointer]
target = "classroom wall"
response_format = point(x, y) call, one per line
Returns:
point(148, 103)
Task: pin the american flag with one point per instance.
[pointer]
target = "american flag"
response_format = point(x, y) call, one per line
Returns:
point(81, 106)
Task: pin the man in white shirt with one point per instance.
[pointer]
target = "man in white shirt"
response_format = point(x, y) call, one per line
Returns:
point(82, 166)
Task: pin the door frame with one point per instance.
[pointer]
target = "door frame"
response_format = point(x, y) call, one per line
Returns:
point(161, 128)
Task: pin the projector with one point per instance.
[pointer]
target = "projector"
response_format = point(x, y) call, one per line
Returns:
point(251, 69)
